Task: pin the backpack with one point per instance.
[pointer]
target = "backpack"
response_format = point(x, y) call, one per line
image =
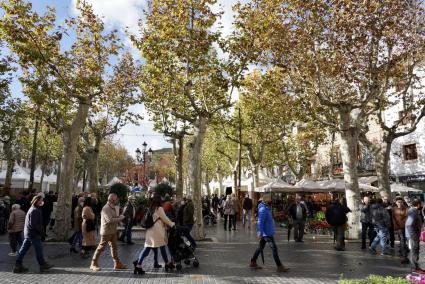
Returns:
point(148, 221)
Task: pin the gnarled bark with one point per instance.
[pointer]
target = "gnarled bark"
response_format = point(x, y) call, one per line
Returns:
point(349, 141)
point(70, 136)
point(195, 151)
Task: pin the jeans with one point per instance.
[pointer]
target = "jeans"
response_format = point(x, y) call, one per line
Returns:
point(230, 218)
point(78, 238)
point(262, 244)
point(38, 247)
point(414, 253)
point(189, 236)
point(126, 233)
point(145, 252)
point(403, 244)
point(246, 217)
point(15, 239)
point(381, 238)
point(340, 236)
point(367, 229)
point(299, 229)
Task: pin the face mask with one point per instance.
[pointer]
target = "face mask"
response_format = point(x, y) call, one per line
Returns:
point(41, 204)
point(82, 204)
point(182, 203)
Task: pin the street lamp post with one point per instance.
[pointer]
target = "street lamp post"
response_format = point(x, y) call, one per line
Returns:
point(141, 157)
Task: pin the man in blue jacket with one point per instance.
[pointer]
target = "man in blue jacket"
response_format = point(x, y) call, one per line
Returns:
point(266, 231)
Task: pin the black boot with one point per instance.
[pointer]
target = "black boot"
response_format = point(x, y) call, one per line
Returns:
point(20, 269)
point(45, 267)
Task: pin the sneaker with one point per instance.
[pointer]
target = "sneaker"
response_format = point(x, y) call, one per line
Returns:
point(94, 266)
point(12, 254)
point(20, 269)
point(254, 265)
point(372, 250)
point(45, 267)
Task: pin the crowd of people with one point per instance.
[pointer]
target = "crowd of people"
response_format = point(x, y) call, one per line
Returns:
point(27, 221)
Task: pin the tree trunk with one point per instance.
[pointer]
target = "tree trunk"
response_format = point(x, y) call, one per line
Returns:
point(195, 151)
point(178, 159)
point(235, 180)
point(42, 176)
point(58, 176)
point(33, 155)
point(349, 142)
point(220, 183)
point(382, 160)
point(92, 165)
point(9, 168)
point(207, 184)
point(70, 136)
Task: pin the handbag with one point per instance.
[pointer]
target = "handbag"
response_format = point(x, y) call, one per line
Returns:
point(90, 225)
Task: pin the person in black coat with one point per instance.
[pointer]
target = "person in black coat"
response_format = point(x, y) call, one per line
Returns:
point(298, 212)
point(336, 216)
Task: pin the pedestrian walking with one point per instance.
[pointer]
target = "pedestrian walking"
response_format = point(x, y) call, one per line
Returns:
point(155, 236)
point(247, 211)
point(298, 212)
point(366, 221)
point(336, 216)
point(33, 234)
point(381, 221)
point(237, 209)
point(413, 232)
point(215, 204)
point(266, 231)
point(129, 213)
point(229, 211)
point(188, 219)
point(15, 228)
point(389, 207)
point(4, 214)
point(109, 220)
point(88, 228)
point(399, 217)
point(77, 237)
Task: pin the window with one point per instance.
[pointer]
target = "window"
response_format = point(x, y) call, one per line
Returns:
point(405, 117)
point(410, 152)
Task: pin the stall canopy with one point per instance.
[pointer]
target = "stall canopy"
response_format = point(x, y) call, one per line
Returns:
point(398, 187)
point(113, 181)
point(339, 185)
point(307, 185)
point(368, 180)
point(277, 185)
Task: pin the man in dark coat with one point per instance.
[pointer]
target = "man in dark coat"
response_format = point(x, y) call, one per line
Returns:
point(336, 216)
point(366, 221)
point(129, 217)
point(33, 233)
point(247, 211)
point(298, 212)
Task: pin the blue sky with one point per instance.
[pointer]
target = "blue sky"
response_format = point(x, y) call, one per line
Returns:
point(120, 14)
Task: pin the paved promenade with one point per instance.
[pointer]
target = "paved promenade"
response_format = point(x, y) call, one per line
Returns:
point(223, 259)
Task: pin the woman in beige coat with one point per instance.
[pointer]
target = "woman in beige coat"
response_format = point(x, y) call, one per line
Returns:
point(89, 234)
point(156, 236)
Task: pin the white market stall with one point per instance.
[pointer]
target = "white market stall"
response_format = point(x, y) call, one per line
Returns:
point(20, 178)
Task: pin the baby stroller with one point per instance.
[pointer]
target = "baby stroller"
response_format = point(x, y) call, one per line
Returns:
point(208, 216)
point(180, 250)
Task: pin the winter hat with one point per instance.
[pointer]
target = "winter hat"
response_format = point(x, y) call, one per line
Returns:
point(36, 198)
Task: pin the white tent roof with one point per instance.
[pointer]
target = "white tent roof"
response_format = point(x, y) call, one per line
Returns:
point(277, 185)
point(308, 185)
point(19, 173)
point(368, 180)
point(113, 181)
point(398, 187)
point(339, 185)
point(52, 178)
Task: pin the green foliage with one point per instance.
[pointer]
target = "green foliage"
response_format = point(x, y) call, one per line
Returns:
point(164, 188)
point(142, 202)
point(376, 279)
point(121, 190)
point(320, 216)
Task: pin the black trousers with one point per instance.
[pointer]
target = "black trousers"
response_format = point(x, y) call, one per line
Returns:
point(340, 236)
point(369, 231)
point(228, 218)
point(262, 244)
point(403, 242)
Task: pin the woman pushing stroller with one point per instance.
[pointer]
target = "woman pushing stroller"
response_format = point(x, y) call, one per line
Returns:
point(156, 236)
